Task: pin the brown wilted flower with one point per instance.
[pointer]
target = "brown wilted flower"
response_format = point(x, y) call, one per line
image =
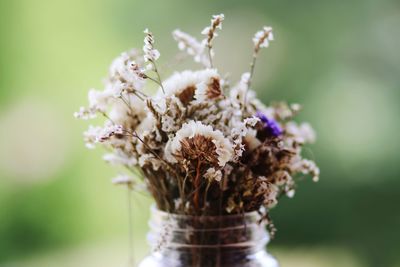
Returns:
point(187, 94)
point(199, 148)
point(213, 88)
point(197, 140)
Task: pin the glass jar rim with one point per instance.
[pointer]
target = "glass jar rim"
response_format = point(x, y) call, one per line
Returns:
point(248, 214)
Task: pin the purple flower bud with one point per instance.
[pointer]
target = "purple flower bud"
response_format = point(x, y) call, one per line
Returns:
point(270, 125)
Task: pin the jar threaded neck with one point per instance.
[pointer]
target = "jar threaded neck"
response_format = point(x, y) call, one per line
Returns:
point(207, 240)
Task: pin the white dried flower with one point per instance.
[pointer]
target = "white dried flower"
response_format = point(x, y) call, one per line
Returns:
point(120, 158)
point(295, 107)
point(148, 122)
point(144, 159)
point(191, 46)
point(184, 85)
point(262, 38)
point(192, 129)
point(99, 100)
point(150, 53)
point(85, 113)
point(90, 136)
point(208, 91)
point(282, 178)
point(307, 166)
point(115, 89)
point(269, 191)
point(125, 70)
point(169, 124)
point(138, 71)
point(210, 31)
point(122, 179)
point(252, 121)
point(302, 133)
point(109, 131)
point(244, 79)
point(237, 94)
point(213, 175)
point(120, 64)
point(315, 173)
point(149, 159)
point(242, 132)
point(290, 193)
point(172, 114)
point(127, 112)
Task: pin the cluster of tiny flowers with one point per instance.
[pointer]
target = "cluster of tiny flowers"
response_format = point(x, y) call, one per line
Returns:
point(210, 31)
point(150, 53)
point(198, 145)
point(191, 46)
point(262, 38)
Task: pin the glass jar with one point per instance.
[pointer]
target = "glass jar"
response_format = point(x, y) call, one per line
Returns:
point(207, 241)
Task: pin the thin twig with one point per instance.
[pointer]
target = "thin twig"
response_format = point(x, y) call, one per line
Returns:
point(252, 67)
point(134, 134)
point(154, 80)
point(127, 104)
point(197, 181)
point(210, 56)
point(107, 117)
point(183, 188)
point(139, 96)
point(158, 75)
point(130, 226)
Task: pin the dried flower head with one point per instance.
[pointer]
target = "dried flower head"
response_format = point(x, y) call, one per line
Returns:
point(190, 85)
point(150, 53)
point(196, 141)
point(110, 131)
point(210, 31)
point(262, 38)
point(90, 136)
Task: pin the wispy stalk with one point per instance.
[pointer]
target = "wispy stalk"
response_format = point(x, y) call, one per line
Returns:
point(261, 39)
point(158, 76)
point(151, 54)
point(130, 228)
point(210, 32)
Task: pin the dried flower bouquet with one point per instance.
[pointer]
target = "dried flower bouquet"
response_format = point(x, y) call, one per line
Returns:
point(198, 145)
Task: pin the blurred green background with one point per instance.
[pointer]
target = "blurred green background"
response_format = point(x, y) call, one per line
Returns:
point(340, 59)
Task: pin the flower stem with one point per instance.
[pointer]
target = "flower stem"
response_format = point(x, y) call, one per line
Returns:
point(196, 196)
point(130, 227)
point(210, 56)
point(252, 67)
point(158, 76)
